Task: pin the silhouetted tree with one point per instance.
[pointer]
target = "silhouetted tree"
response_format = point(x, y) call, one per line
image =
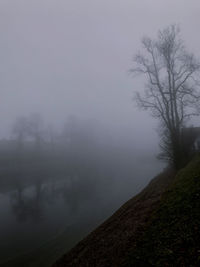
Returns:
point(20, 131)
point(29, 128)
point(171, 92)
point(36, 129)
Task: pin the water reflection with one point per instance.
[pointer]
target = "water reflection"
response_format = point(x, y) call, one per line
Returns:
point(37, 203)
point(28, 203)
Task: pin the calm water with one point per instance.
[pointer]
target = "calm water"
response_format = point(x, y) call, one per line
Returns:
point(42, 219)
point(34, 215)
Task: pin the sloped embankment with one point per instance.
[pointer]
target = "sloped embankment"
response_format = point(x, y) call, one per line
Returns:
point(158, 227)
point(110, 243)
point(173, 236)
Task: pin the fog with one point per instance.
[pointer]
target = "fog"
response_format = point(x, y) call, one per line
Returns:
point(73, 145)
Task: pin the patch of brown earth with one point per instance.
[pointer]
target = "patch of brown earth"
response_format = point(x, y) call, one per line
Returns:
point(111, 242)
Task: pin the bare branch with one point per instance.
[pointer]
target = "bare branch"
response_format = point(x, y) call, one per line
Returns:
point(171, 93)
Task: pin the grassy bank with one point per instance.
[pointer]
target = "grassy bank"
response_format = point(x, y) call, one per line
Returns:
point(172, 237)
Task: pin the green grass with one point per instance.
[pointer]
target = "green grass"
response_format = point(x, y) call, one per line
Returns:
point(173, 236)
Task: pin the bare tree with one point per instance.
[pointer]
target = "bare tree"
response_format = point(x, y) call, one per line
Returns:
point(36, 128)
point(171, 92)
point(28, 128)
point(20, 131)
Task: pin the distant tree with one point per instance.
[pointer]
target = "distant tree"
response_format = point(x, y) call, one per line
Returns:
point(50, 136)
point(20, 131)
point(36, 128)
point(28, 128)
point(171, 92)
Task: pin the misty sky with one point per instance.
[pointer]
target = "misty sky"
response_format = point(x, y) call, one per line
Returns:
point(62, 57)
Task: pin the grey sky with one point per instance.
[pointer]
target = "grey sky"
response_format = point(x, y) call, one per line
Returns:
point(60, 57)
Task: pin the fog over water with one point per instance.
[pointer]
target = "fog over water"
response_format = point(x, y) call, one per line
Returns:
point(73, 145)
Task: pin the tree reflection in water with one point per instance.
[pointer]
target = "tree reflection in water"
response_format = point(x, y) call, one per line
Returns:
point(29, 203)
